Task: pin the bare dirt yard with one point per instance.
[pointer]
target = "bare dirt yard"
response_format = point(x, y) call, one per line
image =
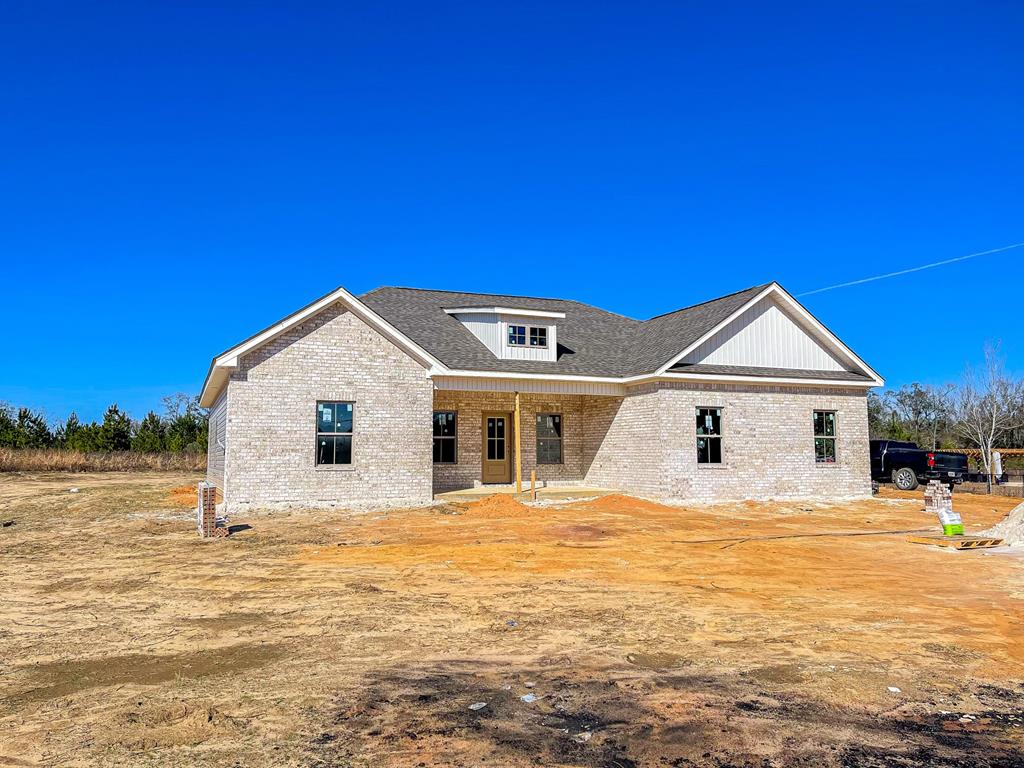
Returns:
point(640, 635)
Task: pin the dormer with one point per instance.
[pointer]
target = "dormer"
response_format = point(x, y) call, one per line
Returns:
point(513, 333)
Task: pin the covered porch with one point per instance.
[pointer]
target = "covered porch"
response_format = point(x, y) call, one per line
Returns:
point(491, 441)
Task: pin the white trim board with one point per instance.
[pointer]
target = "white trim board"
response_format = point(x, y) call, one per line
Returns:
point(503, 311)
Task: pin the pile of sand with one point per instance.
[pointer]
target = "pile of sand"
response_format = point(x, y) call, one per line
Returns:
point(1011, 529)
point(498, 505)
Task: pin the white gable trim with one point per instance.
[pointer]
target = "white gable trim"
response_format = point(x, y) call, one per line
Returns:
point(222, 365)
point(504, 311)
point(793, 305)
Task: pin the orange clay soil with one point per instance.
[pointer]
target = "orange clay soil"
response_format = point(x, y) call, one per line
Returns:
point(183, 496)
point(745, 634)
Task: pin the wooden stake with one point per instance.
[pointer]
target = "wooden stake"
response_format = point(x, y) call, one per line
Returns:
point(519, 450)
point(533, 484)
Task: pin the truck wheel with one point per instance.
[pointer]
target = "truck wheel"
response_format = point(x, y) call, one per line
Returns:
point(905, 479)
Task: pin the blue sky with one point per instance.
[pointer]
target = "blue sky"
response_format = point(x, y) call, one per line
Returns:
point(176, 177)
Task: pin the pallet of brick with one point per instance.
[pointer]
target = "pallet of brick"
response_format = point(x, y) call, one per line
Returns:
point(206, 511)
point(938, 499)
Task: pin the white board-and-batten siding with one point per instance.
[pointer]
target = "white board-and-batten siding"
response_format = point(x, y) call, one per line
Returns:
point(766, 336)
point(217, 441)
point(492, 330)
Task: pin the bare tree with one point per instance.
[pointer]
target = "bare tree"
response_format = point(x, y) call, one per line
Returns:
point(989, 406)
point(924, 411)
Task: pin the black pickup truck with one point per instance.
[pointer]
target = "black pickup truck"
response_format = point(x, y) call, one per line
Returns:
point(906, 465)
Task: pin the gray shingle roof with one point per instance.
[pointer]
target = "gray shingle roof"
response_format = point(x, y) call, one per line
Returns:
point(591, 341)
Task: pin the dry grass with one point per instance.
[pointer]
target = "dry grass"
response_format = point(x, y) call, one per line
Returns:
point(54, 460)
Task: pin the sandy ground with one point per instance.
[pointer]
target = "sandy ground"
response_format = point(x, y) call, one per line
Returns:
point(728, 635)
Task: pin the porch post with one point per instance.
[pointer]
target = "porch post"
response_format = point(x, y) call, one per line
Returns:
point(519, 450)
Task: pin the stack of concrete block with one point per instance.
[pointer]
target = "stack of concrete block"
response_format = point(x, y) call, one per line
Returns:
point(938, 499)
point(206, 512)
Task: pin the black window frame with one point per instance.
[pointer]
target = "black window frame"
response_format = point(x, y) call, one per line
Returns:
point(453, 438)
point(547, 439)
point(709, 444)
point(824, 439)
point(350, 434)
point(514, 335)
point(538, 331)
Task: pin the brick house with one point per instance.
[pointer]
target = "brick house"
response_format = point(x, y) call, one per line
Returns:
point(402, 393)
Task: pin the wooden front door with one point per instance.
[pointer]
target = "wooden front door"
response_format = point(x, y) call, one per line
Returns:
point(497, 461)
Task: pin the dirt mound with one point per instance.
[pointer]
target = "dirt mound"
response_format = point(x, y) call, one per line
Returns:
point(188, 496)
point(184, 496)
point(620, 502)
point(1011, 528)
point(497, 505)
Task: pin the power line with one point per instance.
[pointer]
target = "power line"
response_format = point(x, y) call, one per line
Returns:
point(912, 269)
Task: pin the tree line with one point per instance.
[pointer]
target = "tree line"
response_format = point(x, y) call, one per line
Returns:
point(984, 410)
point(181, 428)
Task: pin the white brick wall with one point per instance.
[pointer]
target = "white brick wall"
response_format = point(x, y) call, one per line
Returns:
point(646, 442)
point(271, 419)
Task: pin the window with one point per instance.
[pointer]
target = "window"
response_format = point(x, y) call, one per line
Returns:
point(709, 435)
point(825, 437)
point(538, 337)
point(334, 433)
point(549, 438)
point(495, 439)
point(517, 335)
point(445, 437)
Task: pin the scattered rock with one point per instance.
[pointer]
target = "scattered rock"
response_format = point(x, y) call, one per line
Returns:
point(8, 523)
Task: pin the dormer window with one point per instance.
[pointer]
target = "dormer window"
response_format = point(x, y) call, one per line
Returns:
point(513, 333)
point(518, 334)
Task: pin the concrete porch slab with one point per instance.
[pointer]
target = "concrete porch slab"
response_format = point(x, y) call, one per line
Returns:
point(543, 494)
